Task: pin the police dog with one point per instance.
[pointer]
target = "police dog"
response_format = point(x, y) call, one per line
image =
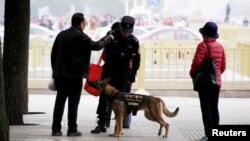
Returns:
point(153, 107)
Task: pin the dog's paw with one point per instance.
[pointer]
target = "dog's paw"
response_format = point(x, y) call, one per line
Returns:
point(114, 135)
point(164, 136)
point(111, 135)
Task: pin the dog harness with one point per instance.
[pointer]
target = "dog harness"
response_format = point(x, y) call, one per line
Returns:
point(133, 101)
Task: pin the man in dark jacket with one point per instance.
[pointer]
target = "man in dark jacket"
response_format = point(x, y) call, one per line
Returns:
point(118, 66)
point(70, 60)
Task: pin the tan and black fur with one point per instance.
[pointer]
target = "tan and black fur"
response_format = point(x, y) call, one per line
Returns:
point(153, 108)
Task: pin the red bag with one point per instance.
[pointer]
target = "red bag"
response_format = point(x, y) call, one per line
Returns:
point(95, 73)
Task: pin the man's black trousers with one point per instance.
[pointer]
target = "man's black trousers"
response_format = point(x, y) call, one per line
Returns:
point(70, 88)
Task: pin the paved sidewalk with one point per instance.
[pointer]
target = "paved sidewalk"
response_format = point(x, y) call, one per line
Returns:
point(186, 126)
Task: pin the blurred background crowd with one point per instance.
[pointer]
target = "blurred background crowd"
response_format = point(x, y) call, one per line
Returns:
point(55, 15)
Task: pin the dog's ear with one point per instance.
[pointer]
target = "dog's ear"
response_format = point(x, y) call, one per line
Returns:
point(106, 80)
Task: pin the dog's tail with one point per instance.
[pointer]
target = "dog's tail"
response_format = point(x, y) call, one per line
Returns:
point(167, 112)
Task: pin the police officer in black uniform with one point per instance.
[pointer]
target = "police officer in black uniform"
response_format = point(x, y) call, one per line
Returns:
point(119, 54)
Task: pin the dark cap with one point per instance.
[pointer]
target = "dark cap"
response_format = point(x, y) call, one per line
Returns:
point(210, 30)
point(127, 24)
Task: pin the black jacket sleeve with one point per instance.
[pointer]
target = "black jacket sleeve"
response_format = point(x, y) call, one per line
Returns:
point(136, 57)
point(98, 45)
point(54, 53)
point(113, 50)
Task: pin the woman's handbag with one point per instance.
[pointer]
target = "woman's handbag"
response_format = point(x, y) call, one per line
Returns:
point(95, 73)
point(207, 77)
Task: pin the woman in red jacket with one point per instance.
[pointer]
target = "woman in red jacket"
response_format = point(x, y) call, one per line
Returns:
point(209, 97)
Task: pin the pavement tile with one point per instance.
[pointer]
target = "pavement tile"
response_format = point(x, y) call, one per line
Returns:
point(186, 126)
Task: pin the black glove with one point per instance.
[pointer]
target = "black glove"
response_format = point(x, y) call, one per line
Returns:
point(111, 32)
point(132, 78)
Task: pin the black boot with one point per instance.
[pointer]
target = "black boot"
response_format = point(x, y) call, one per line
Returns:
point(107, 122)
point(76, 133)
point(56, 133)
point(98, 129)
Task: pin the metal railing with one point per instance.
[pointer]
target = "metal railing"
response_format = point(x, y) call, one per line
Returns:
point(165, 65)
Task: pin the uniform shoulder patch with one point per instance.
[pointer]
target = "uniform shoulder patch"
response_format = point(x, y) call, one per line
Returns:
point(135, 39)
